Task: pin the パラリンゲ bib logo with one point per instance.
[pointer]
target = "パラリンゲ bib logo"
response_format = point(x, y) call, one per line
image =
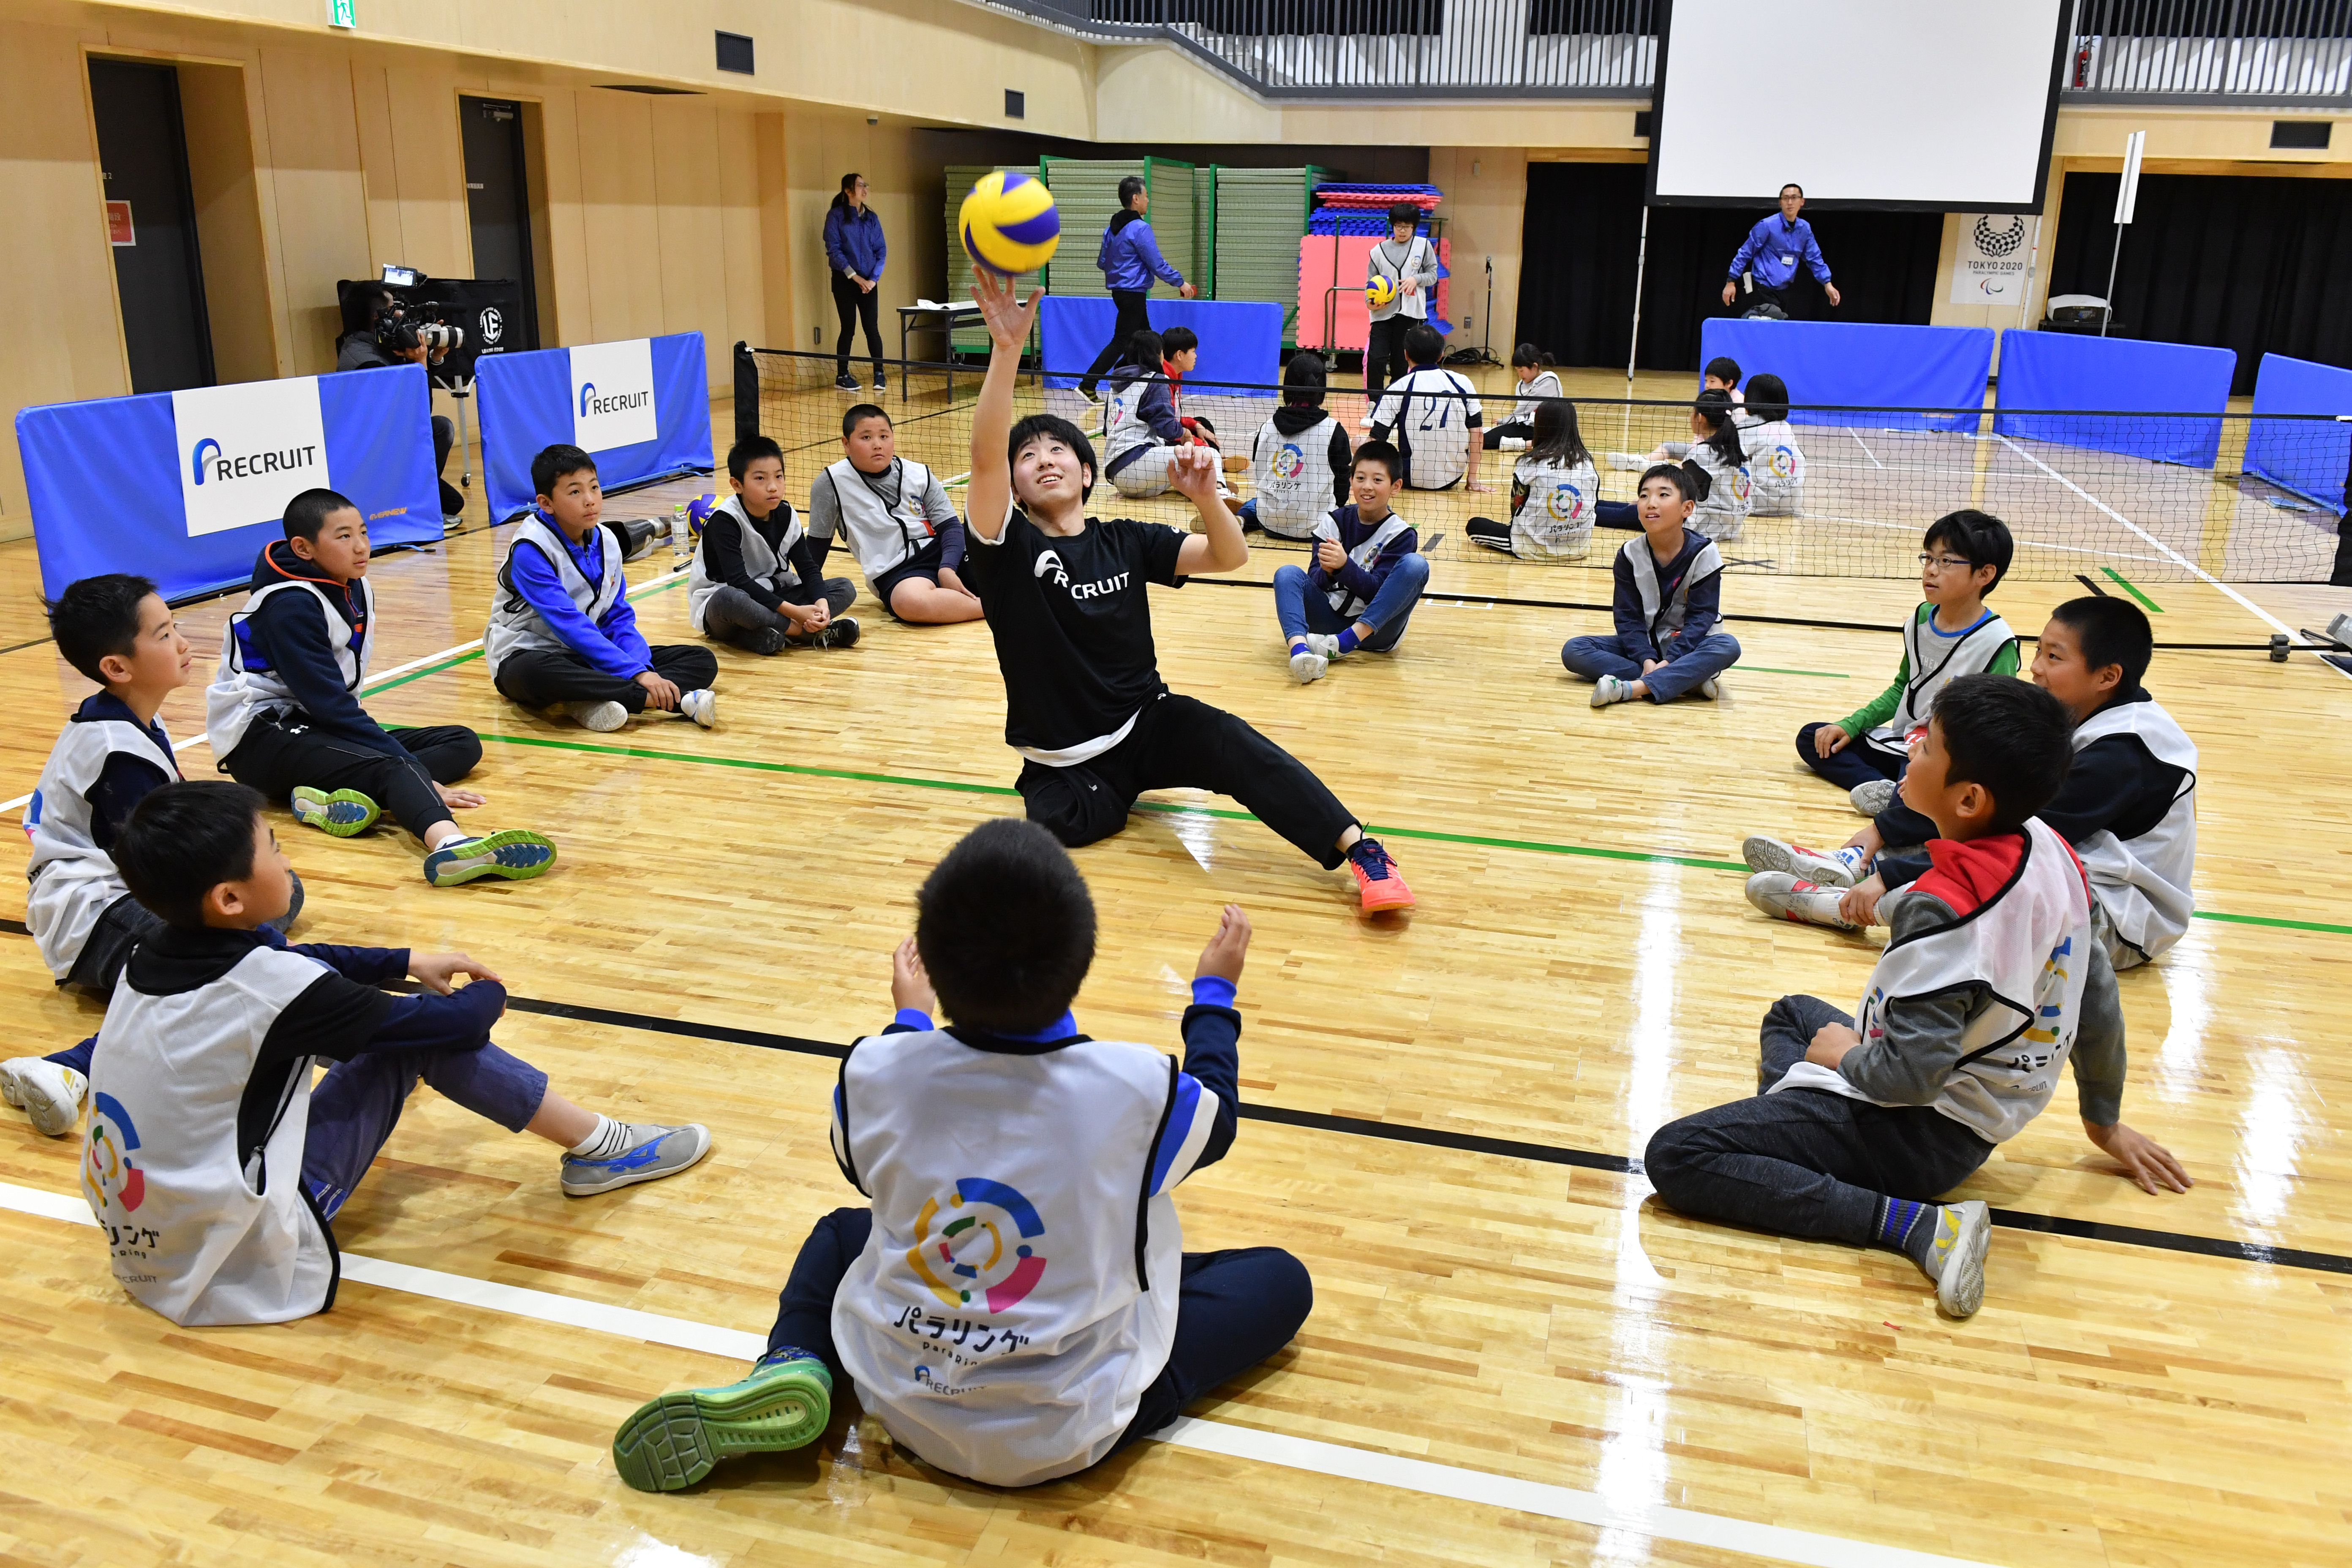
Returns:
point(986, 1247)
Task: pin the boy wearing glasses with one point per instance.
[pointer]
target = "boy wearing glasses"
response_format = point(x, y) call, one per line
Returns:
point(1950, 635)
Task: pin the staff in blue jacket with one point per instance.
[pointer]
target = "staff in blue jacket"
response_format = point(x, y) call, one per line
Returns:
point(1128, 260)
point(856, 250)
point(1772, 250)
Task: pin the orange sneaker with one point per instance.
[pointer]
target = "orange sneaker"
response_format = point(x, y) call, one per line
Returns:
point(1377, 878)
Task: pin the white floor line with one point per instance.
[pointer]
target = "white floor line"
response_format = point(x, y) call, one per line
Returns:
point(1865, 447)
point(382, 676)
point(1316, 1458)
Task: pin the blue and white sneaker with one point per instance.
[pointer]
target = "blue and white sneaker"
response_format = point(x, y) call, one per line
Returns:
point(702, 705)
point(652, 1152)
point(516, 853)
point(1836, 868)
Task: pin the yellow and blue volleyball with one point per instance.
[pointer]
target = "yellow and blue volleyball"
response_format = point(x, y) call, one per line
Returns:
point(1009, 224)
point(1378, 291)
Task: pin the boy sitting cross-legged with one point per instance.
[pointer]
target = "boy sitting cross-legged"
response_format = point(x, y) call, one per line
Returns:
point(900, 524)
point(1016, 1304)
point(283, 712)
point(117, 630)
point(759, 580)
point(561, 632)
point(214, 1166)
point(1368, 574)
point(1990, 984)
point(1667, 602)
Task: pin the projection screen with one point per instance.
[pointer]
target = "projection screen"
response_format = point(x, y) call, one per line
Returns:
point(1937, 104)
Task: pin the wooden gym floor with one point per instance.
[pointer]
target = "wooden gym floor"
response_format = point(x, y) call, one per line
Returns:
point(1517, 1356)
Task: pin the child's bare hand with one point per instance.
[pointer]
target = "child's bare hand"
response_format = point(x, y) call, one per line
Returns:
point(437, 971)
point(659, 692)
point(1330, 556)
point(1829, 1044)
point(1859, 903)
point(1829, 740)
point(909, 985)
point(2147, 1162)
point(460, 799)
point(1226, 949)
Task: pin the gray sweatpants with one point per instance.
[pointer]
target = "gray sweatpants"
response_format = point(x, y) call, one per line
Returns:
point(733, 616)
point(1806, 1162)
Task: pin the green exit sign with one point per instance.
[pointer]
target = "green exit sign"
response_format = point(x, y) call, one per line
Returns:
point(342, 13)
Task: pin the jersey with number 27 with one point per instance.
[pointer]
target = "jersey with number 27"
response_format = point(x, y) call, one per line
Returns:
point(1428, 411)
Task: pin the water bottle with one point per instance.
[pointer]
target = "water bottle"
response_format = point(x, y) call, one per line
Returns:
point(681, 536)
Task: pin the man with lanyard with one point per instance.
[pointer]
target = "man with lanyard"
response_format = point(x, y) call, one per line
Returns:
point(1772, 251)
point(1130, 258)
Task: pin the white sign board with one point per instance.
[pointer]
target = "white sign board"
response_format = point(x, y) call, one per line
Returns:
point(1989, 255)
point(246, 451)
point(613, 394)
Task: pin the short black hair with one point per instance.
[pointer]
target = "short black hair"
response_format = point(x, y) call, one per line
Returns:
point(1129, 189)
point(96, 616)
point(1725, 369)
point(2010, 736)
point(1303, 379)
point(2113, 631)
point(747, 451)
point(1039, 426)
point(1793, 185)
point(307, 513)
point(1687, 479)
point(1767, 396)
point(1176, 339)
point(1006, 928)
point(1423, 344)
point(857, 414)
point(553, 462)
point(181, 841)
point(1979, 538)
point(1404, 212)
point(1379, 452)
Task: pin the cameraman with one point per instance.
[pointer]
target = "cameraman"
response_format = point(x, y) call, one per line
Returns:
point(358, 349)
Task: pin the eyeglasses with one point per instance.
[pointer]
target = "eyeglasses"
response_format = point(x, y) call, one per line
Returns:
point(1947, 562)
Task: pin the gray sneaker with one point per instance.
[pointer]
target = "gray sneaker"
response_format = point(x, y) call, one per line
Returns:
point(601, 717)
point(1955, 1259)
point(1307, 667)
point(1872, 797)
point(652, 1154)
point(1784, 897)
point(1323, 645)
point(1841, 868)
point(1711, 689)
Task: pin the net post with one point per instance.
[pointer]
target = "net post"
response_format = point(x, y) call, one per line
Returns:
point(2340, 576)
point(747, 391)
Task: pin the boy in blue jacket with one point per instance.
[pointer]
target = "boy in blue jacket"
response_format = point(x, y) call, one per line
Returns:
point(1667, 603)
point(1369, 572)
point(561, 633)
point(283, 712)
point(1128, 260)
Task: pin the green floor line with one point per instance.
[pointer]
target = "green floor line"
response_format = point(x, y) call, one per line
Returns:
point(471, 653)
point(1816, 674)
point(2129, 587)
point(1529, 846)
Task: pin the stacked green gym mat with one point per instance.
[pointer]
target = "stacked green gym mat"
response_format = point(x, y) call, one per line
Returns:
point(1261, 215)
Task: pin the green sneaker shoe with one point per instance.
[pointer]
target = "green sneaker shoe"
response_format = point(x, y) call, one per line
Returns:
point(342, 814)
point(676, 1440)
point(516, 853)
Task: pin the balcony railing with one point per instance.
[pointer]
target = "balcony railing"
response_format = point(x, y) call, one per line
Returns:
point(2279, 53)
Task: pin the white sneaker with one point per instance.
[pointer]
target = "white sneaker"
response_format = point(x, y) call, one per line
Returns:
point(1610, 689)
point(1711, 689)
point(702, 705)
point(1323, 645)
point(1631, 462)
point(1783, 896)
point(1512, 444)
point(1955, 1259)
point(48, 1093)
point(601, 717)
point(1872, 797)
point(1307, 667)
point(1841, 869)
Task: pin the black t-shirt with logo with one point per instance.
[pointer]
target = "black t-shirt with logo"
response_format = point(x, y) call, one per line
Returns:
point(1072, 622)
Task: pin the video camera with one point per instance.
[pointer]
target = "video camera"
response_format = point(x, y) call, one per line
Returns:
point(404, 329)
point(461, 320)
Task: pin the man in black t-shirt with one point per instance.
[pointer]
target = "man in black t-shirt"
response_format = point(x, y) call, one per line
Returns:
point(1068, 603)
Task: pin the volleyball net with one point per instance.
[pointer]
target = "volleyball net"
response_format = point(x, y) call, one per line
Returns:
point(2240, 498)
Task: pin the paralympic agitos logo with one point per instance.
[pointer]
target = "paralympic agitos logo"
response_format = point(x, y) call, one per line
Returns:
point(207, 461)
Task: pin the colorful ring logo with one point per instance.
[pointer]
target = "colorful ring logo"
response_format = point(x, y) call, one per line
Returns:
point(107, 1172)
point(1782, 462)
point(1289, 462)
point(969, 1252)
point(1566, 503)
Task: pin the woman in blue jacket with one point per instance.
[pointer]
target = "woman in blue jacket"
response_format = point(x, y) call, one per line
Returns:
point(856, 250)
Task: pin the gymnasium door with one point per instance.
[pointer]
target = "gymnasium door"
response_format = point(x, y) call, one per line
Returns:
point(497, 205)
point(142, 154)
point(1582, 240)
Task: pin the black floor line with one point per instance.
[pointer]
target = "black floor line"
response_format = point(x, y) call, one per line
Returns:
point(1461, 1143)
